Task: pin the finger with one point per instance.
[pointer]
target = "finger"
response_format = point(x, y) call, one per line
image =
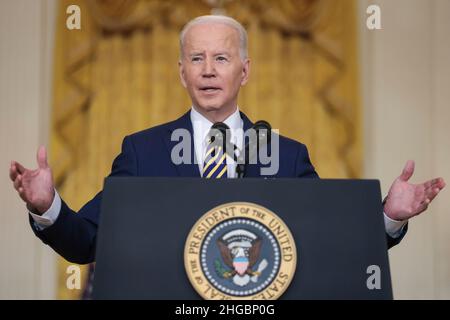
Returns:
point(440, 183)
point(435, 183)
point(430, 183)
point(13, 172)
point(429, 186)
point(431, 194)
point(42, 157)
point(422, 207)
point(21, 192)
point(408, 171)
point(18, 182)
point(20, 168)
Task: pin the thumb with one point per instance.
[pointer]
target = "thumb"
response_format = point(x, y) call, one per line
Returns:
point(408, 171)
point(42, 158)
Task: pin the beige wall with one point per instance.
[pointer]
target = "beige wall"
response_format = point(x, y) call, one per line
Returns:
point(406, 81)
point(27, 268)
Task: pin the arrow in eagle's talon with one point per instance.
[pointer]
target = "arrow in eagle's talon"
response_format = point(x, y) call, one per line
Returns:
point(262, 265)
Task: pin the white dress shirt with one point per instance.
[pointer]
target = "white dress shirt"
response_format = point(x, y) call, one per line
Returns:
point(201, 127)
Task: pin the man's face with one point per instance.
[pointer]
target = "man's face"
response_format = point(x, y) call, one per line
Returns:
point(211, 68)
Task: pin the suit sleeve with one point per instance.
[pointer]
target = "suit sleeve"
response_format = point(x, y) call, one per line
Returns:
point(304, 167)
point(73, 235)
point(394, 241)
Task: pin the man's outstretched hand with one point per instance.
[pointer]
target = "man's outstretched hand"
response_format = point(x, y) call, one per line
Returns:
point(35, 187)
point(406, 200)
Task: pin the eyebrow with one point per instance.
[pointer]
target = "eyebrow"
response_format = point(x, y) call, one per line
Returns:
point(217, 54)
point(222, 54)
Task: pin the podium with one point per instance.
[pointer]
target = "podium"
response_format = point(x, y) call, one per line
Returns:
point(337, 227)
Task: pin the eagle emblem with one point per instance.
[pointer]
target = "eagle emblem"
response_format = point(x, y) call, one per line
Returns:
point(240, 250)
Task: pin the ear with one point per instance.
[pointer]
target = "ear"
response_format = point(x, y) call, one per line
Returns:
point(245, 72)
point(181, 70)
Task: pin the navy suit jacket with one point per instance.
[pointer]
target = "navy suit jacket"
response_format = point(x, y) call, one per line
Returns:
point(147, 153)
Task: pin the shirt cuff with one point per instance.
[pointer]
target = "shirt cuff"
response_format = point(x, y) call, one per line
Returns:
point(394, 228)
point(49, 217)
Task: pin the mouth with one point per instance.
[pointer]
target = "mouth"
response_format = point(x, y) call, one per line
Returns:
point(209, 89)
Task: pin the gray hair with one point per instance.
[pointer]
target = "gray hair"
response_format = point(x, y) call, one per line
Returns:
point(243, 49)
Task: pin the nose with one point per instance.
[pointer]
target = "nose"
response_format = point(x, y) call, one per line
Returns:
point(208, 69)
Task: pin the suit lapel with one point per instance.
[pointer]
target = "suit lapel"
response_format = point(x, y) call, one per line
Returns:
point(247, 123)
point(183, 169)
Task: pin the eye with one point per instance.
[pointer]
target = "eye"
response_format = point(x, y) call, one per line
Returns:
point(196, 59)
point(221, 59)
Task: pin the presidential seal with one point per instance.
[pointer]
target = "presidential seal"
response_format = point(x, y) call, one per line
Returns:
point(240, 250)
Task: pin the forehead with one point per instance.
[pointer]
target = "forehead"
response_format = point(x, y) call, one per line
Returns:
point(211, 36)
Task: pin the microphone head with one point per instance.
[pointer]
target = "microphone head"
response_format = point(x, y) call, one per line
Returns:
point(221, 135)
point(222, 127)
point(262, 124)
point(263, 128)
point(218, 131)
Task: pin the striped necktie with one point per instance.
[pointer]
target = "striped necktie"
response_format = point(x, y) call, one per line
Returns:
point(215, 164)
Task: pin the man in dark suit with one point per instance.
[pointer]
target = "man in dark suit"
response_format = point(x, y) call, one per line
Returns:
point(213, 66)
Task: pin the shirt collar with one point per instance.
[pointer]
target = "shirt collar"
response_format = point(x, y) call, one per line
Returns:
point(202, 125)
point(234, 121)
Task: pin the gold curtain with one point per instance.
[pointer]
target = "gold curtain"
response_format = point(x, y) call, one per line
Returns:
point(119, 74)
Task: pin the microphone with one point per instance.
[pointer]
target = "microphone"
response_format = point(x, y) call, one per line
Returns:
point(219, 134)
point(263, 130)
point(263, 133)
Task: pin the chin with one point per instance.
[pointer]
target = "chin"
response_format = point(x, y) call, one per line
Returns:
point(210, 106)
